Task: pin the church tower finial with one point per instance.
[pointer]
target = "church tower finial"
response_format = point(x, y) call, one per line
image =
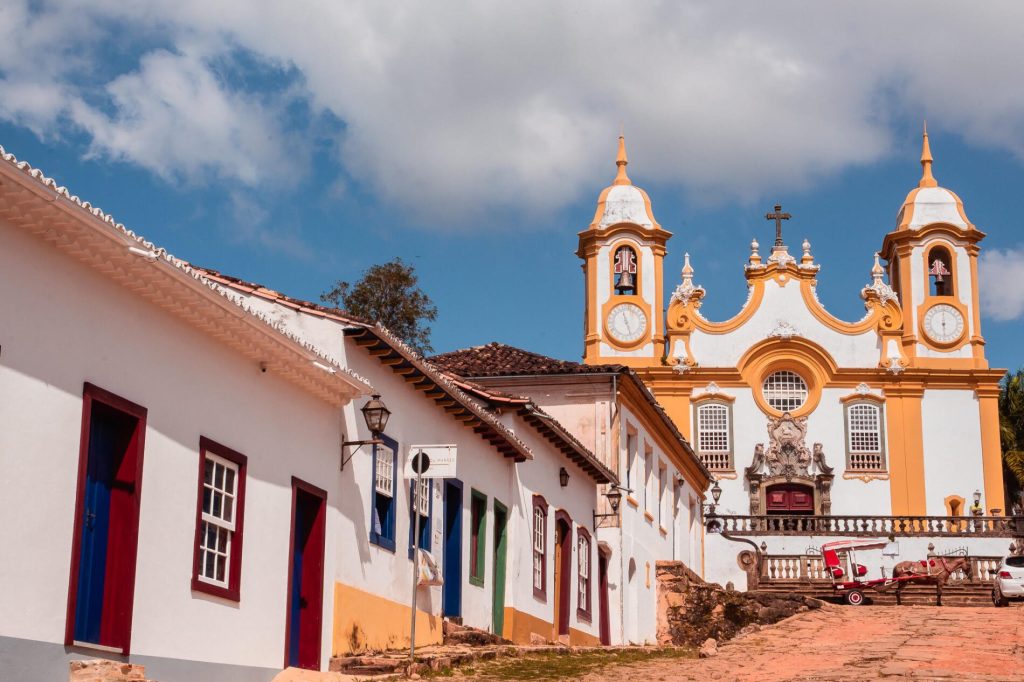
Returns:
point(927, 180)
point(621, 161)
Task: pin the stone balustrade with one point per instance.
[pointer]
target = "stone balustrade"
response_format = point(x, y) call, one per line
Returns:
point(811, 568)
point(869, 526)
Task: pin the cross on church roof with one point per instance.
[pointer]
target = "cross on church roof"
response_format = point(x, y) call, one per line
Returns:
point(778, 216)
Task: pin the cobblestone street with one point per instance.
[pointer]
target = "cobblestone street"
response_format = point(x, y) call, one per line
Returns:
point(855, 643)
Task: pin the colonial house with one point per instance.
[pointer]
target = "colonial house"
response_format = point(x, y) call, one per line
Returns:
point(662, 482)
point(169, 457)
point(512, 532)
point(815, 427)
point(267, 536)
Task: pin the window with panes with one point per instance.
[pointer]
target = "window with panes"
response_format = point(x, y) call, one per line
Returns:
point(583, 574)
point(420, 500)
point(382, 503)
point(218, 547)
point(714, 435)
point(540, 519)
point(865, 442)
point(785, 391)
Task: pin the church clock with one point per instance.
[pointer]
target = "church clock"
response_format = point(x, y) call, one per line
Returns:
point(627, 322)
point(943, 323)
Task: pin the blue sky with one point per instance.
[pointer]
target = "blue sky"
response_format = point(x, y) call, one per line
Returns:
point(295, 146)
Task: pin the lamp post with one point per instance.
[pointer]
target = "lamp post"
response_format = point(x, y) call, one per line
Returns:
point(375, 414)
point(614, 495)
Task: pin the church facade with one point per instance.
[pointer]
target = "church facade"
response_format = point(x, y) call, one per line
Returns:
point(795, 412)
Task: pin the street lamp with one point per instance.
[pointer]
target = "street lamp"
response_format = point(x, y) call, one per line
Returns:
point(716, 494)
point(614, 496)
point(375, 414)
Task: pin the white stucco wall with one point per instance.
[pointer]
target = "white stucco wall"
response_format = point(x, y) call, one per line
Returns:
point(782, 304)
point(952, 448)
point(68, 325)
point(416, 419)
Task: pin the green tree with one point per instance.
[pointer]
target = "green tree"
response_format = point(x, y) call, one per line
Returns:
point(388, 293)
point(1011, 431)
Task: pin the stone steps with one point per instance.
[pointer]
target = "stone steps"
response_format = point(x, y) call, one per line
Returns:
point(953, 594)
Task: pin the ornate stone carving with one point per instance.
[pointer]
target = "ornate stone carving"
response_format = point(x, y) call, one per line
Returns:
point(877, 286)
point(788, 459)
point(784, 330)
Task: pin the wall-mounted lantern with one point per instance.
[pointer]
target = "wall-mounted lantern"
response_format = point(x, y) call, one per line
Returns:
point(563, 477)
point(375, 414)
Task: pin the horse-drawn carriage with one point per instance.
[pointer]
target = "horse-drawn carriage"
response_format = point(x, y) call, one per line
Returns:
point(851, 581)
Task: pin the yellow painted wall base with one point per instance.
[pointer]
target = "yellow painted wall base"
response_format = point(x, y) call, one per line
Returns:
point(522, 628)
point(365, 621)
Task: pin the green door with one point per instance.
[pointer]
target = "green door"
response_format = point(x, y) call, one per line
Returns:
point(500, 549)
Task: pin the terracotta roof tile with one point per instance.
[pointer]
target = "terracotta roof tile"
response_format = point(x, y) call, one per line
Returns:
point(499, 359)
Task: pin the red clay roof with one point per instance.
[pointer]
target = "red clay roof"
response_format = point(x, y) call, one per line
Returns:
point(498, 359)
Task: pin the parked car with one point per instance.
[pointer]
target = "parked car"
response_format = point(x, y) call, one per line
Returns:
point(1008, 582)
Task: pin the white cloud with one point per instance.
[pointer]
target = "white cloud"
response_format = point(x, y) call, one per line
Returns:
point(1002, 283)
point(455, 109)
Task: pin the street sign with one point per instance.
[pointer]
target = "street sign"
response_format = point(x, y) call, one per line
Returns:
point(430, 461)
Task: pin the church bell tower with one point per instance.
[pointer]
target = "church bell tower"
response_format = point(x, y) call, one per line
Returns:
point(622, 252)
point(933, 266)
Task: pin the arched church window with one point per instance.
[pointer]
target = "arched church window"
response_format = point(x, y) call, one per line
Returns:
point(784, 391)
point(714, 435)
point(625, 271)
point(865, 442)
point(940, 270)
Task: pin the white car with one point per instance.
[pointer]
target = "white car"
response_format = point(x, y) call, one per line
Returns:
point(1008, 582)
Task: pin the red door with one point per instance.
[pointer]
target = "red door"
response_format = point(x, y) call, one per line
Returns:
point(105, 543)
point(602, 582)
point(306, 576)
point(789, 498)
point(563, 571)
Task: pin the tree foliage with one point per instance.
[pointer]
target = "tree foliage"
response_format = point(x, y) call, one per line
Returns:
point(388, 293)
point(1011, 429)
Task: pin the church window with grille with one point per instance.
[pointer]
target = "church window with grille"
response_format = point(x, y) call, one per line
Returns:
point(785, 391)
point(714, 437)
point(865, 441)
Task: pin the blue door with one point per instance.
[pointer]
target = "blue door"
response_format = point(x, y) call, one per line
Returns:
point(92, 567)
point(451, 598)
point(108, 522)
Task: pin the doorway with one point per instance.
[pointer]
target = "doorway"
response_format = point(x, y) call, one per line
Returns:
point(451, 592)
point(789, 499)
point(106, 538)
point(563, 572)
point(500, 552)
point(306, 576)
point(602, 597)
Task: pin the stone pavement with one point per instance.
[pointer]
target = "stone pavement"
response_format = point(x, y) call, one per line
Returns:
point(858, 643)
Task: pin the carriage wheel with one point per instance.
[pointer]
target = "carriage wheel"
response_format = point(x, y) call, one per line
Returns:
point(854, 597)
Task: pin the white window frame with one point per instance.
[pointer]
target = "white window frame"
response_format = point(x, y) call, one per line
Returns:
point(539, 531)
point(384, 476)
point(219, 523)
point(785, 384)
point(583, 574)
point(713, 456)
point(852, 453)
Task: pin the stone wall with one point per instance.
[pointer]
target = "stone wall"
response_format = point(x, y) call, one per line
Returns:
point(691, 611)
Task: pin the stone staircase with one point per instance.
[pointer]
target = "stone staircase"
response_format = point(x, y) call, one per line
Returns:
point(953, 594)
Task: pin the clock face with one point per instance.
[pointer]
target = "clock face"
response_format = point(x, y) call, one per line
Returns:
point(943, 323)
point(627, 322)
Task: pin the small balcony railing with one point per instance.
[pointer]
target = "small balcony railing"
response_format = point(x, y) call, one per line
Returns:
point(870, 526)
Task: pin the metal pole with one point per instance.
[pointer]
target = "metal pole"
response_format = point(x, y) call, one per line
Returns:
point(415, 563)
